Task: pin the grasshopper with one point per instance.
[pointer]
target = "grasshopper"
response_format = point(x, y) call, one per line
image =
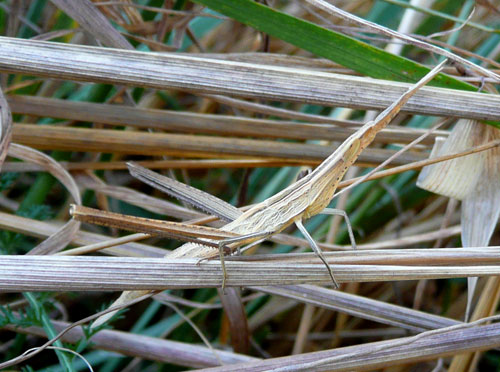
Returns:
point(303, 199)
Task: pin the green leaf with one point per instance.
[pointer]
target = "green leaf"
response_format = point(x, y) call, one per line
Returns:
point(345, 50)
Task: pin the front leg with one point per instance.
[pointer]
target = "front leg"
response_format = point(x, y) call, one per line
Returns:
point(239, 239)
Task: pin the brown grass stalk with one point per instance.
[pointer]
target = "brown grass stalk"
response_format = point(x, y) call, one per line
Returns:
point(175, 121)
point(51, 137)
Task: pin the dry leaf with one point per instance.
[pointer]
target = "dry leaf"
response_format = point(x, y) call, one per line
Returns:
point(65, 234)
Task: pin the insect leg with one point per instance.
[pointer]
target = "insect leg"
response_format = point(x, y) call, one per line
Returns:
point(316, 249)
point(340, 212)
point(238, 239)
point(247, 247)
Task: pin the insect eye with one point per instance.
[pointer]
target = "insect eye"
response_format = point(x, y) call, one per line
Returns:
point(303, 173)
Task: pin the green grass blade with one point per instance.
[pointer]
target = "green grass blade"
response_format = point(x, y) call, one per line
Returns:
point(347, 51)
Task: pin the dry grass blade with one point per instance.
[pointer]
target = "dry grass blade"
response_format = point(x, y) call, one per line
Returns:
point(424, 163)
point(408, 256)
point(134, 197)
point(42, 229)
point(486, 307)
point(276, 111)
point(175, 121)
point(191, 195)
point(119, 4)
point(237, 319)
point(44, 273)
point(50, 165)
point(93, 21)
point(102, 245)
point(426, 346)
point(64, 235)
point(161, 164)
point(183, 145)
point(5, 127)
point(156, 349)
point(359, 306)
point(411, 240)
point(164, 71)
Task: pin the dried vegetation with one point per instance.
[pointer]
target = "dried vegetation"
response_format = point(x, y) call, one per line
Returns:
point(235, 100)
